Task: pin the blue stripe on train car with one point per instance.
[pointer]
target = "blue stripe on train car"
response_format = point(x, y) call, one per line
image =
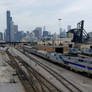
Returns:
point(83, 66)
point(90, 68)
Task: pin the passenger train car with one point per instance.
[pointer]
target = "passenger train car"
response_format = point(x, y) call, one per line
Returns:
point(86, 51)
point(73, 62)
point(79, 64)
point(73, 51)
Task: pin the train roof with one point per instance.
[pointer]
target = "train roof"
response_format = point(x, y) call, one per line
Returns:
point(80, 59)
point(41, 51)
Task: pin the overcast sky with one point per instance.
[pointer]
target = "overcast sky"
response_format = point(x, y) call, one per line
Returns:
point(29, 14)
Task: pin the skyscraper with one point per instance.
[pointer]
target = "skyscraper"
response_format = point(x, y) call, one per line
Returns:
point(68, 27)
point(1, 36)
point(8, 30)
point(11, 30)
point(45, 33)
point(38, 32)
point(62, 33)
point(16, 33)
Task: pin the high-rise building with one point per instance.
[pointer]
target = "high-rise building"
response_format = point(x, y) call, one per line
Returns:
point(8, 30)
point(45, 33)
point(32, 37)
point(38, 32)
point(20, 35)
point(16, 33)
point(68, 27)
point(11, 31)
point(62, 33)
point(1, 36)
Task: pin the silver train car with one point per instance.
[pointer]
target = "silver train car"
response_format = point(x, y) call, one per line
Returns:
point(73, 51)
point(78, 64)
point(86, 51)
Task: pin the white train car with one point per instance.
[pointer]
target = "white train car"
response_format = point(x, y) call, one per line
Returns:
point(76, 63)
point(73, 51)
point(86, 51)
point(79, 64)
point(55, 57)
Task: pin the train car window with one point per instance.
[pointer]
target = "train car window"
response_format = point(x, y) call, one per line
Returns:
point(80, 60)
point(56, 58)
point(85, 61)
point(69, 58)
point(90, 62)
point(60, 56)
point(90, 50)
point(54, 54)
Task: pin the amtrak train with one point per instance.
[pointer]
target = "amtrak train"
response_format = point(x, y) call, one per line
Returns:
point(76, 63)
point(86, 51)
point(73, 51)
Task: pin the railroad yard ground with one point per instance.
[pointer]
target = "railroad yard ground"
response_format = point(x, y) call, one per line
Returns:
point(38, 75)
point(8, 82)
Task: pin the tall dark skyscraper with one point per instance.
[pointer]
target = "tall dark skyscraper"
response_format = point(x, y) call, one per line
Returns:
point(8, 30)
point(11, 31)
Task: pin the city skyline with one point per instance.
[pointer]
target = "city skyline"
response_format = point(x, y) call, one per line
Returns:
point(37, 13)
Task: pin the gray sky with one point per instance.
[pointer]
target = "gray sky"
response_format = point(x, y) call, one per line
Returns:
point(31, 13)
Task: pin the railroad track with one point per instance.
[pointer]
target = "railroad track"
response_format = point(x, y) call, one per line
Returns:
point(70, 86)
point(37, 81)
point(39, 77)
point(27, 84)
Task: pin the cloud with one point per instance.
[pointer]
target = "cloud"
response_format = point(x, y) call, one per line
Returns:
point(31, 13)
